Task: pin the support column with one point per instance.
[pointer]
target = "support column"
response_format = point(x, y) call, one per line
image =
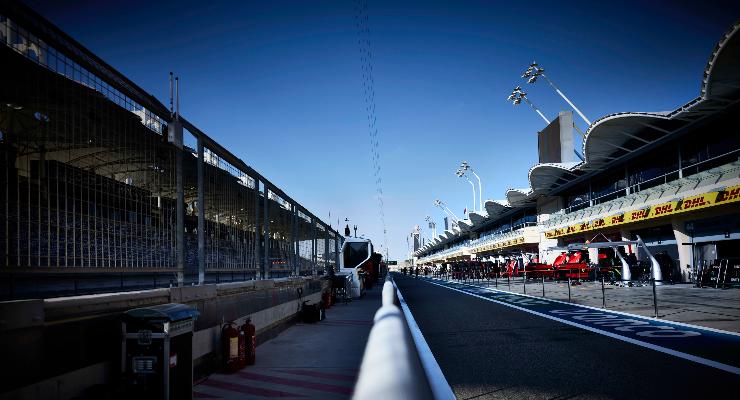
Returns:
point(295, 242)
point(313, 247)
point(257, 230)
point(201, 217)
point(326, 251)
point(625, 234)
point(176, 136)
point(336, 250)
point(266, 224)
point(685, 243)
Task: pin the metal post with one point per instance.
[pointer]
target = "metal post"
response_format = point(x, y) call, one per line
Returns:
point(326, 250)
point(543, 286)
point(313, 248)
point(295, 242)
point(655, 298)
point(508, 282)
point(180, 224)
point(201, 217)
point(524, 280)
point(266, 224)
point(337, 237)
point(568, 289)
point(603, 293)
point(257, 231)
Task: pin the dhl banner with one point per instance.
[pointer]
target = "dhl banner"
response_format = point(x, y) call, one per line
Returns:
point(500, 245)
point(686, 204)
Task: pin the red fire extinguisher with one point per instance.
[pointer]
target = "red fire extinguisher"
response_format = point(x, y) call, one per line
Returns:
point(230, 347)
point(249, 332)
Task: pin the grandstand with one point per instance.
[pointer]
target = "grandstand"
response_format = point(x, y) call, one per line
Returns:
point(93, 184)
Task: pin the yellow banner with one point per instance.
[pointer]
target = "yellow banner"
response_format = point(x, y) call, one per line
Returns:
point(500, 245)
point(686, 204)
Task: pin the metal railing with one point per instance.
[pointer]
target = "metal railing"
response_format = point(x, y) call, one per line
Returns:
point(391, 366)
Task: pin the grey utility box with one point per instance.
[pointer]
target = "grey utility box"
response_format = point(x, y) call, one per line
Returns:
point(157, 352)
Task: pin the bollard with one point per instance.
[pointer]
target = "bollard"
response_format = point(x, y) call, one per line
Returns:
point(543, 286)
point(568, 289)
point(508, 282)
point(524, 280)
point(655, 299)
point(496, 278)
point(603, 297)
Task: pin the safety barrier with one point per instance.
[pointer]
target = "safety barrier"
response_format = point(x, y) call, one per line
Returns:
point(391, 367)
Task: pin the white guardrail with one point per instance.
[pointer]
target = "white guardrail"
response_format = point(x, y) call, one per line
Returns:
point(392, 366)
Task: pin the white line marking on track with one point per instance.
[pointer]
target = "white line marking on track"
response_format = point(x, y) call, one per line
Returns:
point(685, 356)
point(440, 387)
point(490, 289)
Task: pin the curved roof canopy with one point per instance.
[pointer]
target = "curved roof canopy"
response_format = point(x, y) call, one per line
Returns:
point(544, 176)
point(616, 135)
point(464, 225)
point(721, 78)
point(477, 217)
point(519, 197)
point(495, 208)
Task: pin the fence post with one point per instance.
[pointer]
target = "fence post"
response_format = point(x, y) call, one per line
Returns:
point(201, 217)
point(568, 289)
point(603, 296)
point(266, 225)
point(655, 298)
point(524, 280)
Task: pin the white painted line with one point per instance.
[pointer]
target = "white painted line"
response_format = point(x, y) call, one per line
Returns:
point(440, 388)
point(685, 356)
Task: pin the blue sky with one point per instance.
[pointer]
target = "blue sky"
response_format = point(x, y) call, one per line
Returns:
point(280, 85)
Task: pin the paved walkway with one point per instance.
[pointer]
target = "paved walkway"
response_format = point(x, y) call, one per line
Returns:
point(708, 307)
point(308, 361)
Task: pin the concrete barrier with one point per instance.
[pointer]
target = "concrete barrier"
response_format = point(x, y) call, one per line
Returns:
point(61, 347)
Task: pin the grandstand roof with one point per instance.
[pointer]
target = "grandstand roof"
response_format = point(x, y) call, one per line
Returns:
point(616, 135)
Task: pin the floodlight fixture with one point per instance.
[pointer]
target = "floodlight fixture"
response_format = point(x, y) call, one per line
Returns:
point(517, 95)
point(534, 71)
point(461, 174)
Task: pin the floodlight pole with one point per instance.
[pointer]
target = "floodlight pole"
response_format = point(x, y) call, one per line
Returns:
point(542, 74)
point(480, 191)
point(471, 185)
point(446, 210)
point(547, 121)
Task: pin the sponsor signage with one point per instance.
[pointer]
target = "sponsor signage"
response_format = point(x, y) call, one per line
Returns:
point(500, 245)
point(686, 204)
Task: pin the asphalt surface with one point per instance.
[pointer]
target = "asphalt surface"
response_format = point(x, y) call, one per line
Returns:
point(488, 350)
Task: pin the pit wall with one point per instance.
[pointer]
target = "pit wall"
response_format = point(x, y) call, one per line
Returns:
point(70, 347)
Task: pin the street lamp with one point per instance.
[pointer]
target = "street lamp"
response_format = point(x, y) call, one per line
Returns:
point(465, 167)
point(461, 174)
point(516, 97)
point(534, 71)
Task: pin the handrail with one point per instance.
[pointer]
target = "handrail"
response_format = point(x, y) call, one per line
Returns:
point(391, 367)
